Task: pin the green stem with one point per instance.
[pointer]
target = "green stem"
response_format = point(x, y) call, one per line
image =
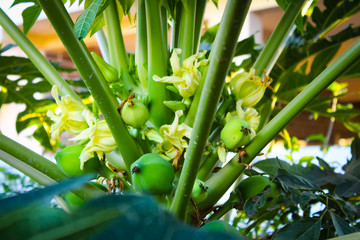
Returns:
point(92, 77)
point(187, 27)
point(118, 54)
point(222, 180)
point(228, 205)
point(158, 63)
point(220, 59)
point(208, 166)
point(190, 117)
point(165, 31)
point(41, 63)
point(141, 55)
point(175, 28)
point(272, 48)
point(103, 45)
point(36, 166)
point(268, 107)
point(29, 162)
point(199, 19)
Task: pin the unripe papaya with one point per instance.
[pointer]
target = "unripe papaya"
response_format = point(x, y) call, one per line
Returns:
point(68, 161)
point(252, 186)
point(199, 192)
point(72, 201)
point(236, 133)
point(134, 113)
point(153, 174)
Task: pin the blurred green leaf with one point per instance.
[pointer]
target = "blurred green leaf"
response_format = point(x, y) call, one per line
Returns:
point(289, 180)
point(341, 226)
point(29, 14)
point(306, 229)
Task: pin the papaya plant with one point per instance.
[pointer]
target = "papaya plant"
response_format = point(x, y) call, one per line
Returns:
point(169, 129)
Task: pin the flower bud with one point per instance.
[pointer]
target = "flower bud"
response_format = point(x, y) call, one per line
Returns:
point(249, 88)
point(110, 73)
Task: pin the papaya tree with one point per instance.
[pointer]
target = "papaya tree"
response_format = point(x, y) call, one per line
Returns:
point(159, 136)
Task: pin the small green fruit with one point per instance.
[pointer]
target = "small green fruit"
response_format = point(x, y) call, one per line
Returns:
point(221, 226)
point(68, 161)
point(252, 186)
point(236, 133)
point(72, 201)
point(199, 192)
point(134, 113)
point(151, 173)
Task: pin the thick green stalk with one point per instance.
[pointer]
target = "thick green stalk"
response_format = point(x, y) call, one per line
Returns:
point(228, 205)
point(157, 65)
point(221, 57)
point(37, 167)
point(272, 48)
point(92, 77)
point(199, 19)
point(175, 28)
point(30, 162)
point(187, 27)
point(141, 55)
point(222, 180)
point(41, 63)
point(208, 166)
point(118, 54)
point(165, 30)
point(190, 117)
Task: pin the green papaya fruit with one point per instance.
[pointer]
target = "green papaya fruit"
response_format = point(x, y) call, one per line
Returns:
point(252, 186)
point(68, 161)
point(134, 113)
point(153, 174)
point(236, 133)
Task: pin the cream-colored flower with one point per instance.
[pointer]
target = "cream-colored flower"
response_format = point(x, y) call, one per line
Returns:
point(249, 88)
point(170, 139)
point(71, 117)
point(101, 139)
point(186, 78)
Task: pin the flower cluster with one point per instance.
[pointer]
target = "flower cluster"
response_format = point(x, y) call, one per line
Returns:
point(170, 139)
point(71, 118)
point(186, 78)
point(78, 120)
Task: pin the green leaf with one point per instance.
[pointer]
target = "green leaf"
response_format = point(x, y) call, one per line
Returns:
point(84, 21)
point(7, 47)
point(341, 226)
point(117, 216)
point(322, 177)
point(126, 5)
point(305, 199)
point(307, 229)
point(30, 15)
point(9, 206)
point(252, 204)
point(351, 236)
point(352, 167)
point(289, 180)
